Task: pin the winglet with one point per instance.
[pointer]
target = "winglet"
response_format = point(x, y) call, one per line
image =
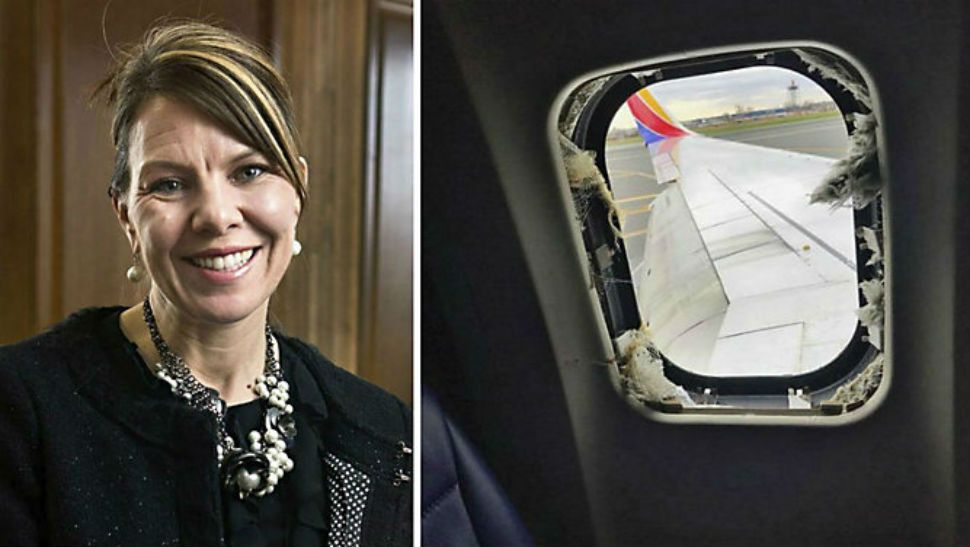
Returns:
point(656, 126)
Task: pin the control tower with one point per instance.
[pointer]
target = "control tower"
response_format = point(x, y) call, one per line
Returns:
point(792, 103)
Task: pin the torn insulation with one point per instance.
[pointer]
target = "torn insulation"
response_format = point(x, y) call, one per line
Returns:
point(856, 177)
point(863, 386)
point(872, 315)
point(832, 69)
point(641, 368)
point(577, 102)
point(870, 242)
point(586, 181)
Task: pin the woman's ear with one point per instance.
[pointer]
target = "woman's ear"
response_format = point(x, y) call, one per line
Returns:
point(121, 211)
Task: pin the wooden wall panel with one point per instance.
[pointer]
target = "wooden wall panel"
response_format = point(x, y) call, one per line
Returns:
point(356, 266)
point(18, 181)
point(320, 47)
point(49, 198)
point(386, 316)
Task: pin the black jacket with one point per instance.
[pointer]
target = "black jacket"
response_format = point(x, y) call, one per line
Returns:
point(90, 456)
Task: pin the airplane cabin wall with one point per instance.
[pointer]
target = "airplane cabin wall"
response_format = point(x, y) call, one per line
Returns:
point(889, 479)
point(484, 347)
point(961, 327)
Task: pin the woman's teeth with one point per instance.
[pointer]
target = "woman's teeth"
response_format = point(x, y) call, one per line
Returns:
point(225, 263)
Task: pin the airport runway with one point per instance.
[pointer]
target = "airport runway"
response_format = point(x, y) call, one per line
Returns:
point(634, 185)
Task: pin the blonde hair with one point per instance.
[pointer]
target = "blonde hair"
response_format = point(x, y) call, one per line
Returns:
point(220, 73)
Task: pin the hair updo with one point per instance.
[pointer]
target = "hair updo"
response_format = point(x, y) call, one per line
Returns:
point(218, 72)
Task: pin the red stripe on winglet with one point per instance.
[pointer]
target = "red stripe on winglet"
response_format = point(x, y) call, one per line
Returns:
point(650, 119)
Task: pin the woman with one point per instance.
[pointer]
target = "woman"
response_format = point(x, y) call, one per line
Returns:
point(187, 419)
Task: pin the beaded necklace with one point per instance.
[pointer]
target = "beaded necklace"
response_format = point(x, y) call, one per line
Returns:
point(255, 471)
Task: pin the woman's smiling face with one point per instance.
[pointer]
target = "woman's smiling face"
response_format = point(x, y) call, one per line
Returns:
point(211, 219)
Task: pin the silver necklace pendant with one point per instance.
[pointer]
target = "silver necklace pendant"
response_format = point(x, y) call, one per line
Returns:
point(255, 471)
point(282, 422)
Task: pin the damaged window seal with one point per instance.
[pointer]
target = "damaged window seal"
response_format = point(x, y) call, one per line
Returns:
point(646, 376)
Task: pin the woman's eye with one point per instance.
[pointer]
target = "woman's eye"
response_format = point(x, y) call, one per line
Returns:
point(166, 186)
point(249, 173)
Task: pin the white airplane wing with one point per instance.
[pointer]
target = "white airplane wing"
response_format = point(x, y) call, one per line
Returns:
point(742, 277)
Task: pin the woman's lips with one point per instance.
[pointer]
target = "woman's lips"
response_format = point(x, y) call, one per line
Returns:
point(226, 262)
point(224, 268)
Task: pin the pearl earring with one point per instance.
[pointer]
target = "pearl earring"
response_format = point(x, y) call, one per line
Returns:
point(135, 273)
point(297, 247)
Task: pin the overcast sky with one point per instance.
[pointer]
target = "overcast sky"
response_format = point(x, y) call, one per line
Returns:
point(715, 94)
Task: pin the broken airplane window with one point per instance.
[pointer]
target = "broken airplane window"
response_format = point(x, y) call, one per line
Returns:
point(735, 271)
point(731, 213)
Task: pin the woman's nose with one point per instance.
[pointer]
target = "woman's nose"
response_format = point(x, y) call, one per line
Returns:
point(217, 209)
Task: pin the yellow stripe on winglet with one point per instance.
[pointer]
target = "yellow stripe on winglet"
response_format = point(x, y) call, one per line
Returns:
point(655, 106)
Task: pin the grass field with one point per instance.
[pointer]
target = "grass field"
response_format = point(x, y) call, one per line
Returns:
point(725, 128)
point(712, 130)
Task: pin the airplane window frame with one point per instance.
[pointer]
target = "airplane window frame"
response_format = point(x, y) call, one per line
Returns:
point(611, 270)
